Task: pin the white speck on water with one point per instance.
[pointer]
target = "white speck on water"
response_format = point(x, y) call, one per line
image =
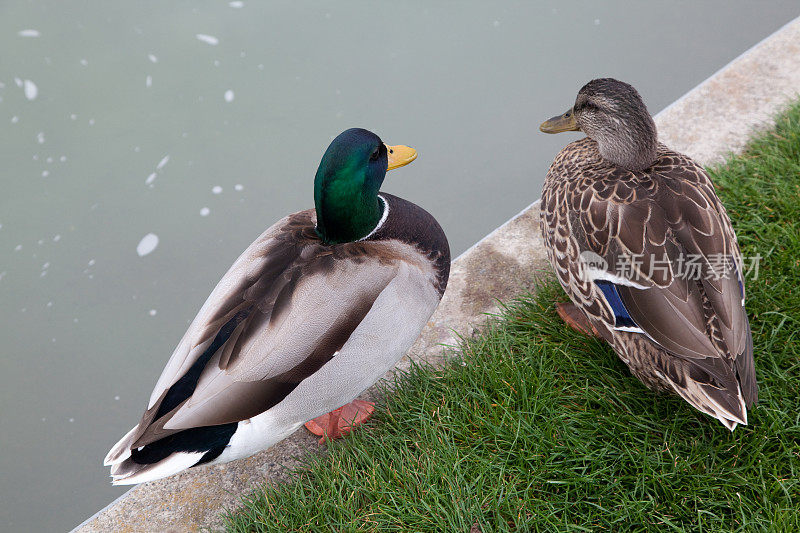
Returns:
point(238, 187)
point(43, 273)
point(148, 81)
point(216, 189)
point(216, 62)
point(260, 66)
point(91, 262)
point(164, 161)
point(242, 54)
point(84, 62)
point(137, 149)
point(150, 179)
point(29, 33)
point(147, 244)
point(44, 419)
point(91, 122)
point(236, 4)
point(152, 58)
point(14, 119)
point(35, 157)
point(46, 265)
point(49, 159)
point(204, 211)
point(596, 22)
point(49, 304)
point(45, 173)
point(152, 312)
point(208, 39)
point(328, 16)
point(56, 238)
point(18, 82)
point(229, 96)
point(73, 116)
point(72, 420)
point(63, 158)
point(496, 23)
point(17, 248)
point(40, 137)
point(116, 398)
point(75, 320)
point(39, 242)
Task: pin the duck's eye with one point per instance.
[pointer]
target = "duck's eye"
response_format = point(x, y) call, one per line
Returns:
point(568, 114)
point(375, 154)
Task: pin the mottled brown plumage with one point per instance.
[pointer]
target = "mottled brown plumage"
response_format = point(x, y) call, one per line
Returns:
point(630, 232)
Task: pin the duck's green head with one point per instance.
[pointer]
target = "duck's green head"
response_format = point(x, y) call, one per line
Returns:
point(347, 183)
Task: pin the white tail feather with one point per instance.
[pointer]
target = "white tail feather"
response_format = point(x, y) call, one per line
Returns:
point(172, 464)
point(120, 451)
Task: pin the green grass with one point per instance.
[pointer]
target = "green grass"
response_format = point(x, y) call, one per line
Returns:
point(535, 427)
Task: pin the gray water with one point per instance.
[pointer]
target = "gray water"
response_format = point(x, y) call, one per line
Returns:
point(120, 119)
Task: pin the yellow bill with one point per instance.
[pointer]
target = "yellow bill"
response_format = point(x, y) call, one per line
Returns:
point(400, 156)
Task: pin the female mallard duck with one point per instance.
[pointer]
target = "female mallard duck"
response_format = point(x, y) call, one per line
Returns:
point(646, 252)
point(315, 311)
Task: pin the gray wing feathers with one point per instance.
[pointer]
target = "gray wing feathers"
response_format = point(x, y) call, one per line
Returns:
point(254, 264)
point(402, 308)
point(321, 306)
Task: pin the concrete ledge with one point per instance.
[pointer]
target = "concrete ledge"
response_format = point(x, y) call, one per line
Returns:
point(718, 116)
point(715, 118)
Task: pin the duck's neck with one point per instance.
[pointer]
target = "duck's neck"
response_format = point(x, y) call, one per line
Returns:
point(339, 222)
point(632, 145)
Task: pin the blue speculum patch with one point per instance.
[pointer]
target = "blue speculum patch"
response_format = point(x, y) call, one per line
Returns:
point(622, 319)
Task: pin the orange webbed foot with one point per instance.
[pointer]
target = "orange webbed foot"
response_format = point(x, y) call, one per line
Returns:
point(341, 421)
point(575, 319)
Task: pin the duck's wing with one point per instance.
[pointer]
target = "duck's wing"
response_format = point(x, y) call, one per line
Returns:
point(671, 269)
point(280, 313)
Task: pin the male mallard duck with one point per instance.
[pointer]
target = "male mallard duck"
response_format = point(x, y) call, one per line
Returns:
point(624, 218)
point(315, 311)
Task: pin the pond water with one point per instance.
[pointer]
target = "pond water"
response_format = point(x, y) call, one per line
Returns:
point(144, 145)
